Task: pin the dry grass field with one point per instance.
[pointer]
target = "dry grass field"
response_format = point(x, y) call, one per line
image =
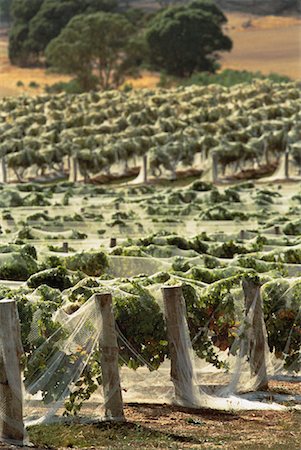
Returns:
point(10, 75)
point(267, 44)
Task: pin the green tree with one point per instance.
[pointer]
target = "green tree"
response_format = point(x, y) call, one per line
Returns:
point(5, 6)
point(54, 15)
point(94, 48)
point(37, 22)
point(22, 12)
point(186, 38)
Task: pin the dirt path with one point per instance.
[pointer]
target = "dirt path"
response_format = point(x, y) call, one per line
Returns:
point(165, 426)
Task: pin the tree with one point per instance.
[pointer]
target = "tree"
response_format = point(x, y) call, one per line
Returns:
point(49, 21)
point(22, 12)
point(37, 22)
point(54, 15)
point(94, 48)
point(5, 6)
point(186, 38)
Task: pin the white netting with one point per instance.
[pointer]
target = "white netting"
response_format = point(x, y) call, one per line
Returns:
point(286, 169)
point(222, 353)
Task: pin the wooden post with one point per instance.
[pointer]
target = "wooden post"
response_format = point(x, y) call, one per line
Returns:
point(11, 404)
point(145, 169)
point(214, 168)
point(113, 242)
point(73, 170)
point(179, 344)
point(3, 170)
point(256, 334)
point(65, 247)
point(109, 360)
point(277, 229)
point(286, 163)
point(68, 163)
point(242, 235)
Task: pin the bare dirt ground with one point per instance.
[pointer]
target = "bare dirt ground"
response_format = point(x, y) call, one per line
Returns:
point(267, 44)
point(164, 426)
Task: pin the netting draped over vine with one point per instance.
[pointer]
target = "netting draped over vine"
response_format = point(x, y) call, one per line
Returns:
point(224, 352)
point(247, 126)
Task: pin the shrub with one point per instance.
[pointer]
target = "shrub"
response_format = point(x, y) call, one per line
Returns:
point(201, 186)
point(30, 250)
point(25, 233)
point(292, 228)
point(33, 85)
point(10, 198)
point(91, 263)
point(140, 320)
point(57, 278)
point(36, 199)
point(70, 87)
point(17, 266)
point(230, 77)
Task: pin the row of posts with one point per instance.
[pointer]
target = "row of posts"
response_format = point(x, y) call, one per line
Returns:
point(215, 166)
point(11, 412)
point(73, 169)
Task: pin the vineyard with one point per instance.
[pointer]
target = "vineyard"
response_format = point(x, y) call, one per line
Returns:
point(243, 127)
point(55, 257)
point(229, 253)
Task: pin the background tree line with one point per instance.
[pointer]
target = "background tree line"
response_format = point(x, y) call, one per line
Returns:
point(100, 42)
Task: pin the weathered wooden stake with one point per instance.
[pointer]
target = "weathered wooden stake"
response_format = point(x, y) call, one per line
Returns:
point(113, 242)
point(256, 335)
point(286, 164)
point(73, 170)
point(65, 247)
point(109, 360)
point(277, 229)
point(68, 163)
point(3, 170)
point(214, 168)
point(179, 344)
point(11, 404)
point(242, 235)
point(145, 169)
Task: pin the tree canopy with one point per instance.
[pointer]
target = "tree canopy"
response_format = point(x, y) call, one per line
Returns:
point(5, 6)
point(37, 22)
point(95, 48)
point(100, 51)
point(22, 12)
point(186, 38)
